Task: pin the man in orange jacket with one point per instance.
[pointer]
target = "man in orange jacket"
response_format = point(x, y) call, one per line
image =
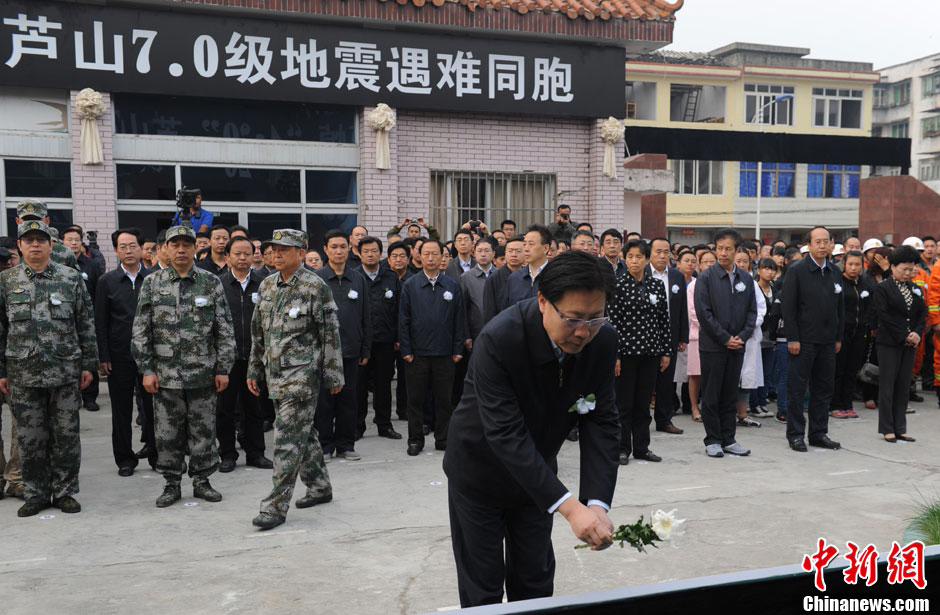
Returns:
point(933, 320)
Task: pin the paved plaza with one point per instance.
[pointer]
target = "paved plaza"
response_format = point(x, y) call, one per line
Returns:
point(383, 546)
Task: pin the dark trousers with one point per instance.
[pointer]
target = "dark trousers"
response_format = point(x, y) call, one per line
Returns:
point(239, 408)
point(634, 389)
point(438, 374)
point(90, 395)
point(926, 369)
point(401, 388)
point(460, 372)
point(894, 379)
point(721, 372)
point(335, 418)
point(848, 362)
point(121, 384)
point(665, 394)
point(814, 367)
point(497, 545)
point(380, 369)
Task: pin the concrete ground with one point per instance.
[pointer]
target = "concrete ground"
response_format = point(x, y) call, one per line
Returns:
point(382, 546)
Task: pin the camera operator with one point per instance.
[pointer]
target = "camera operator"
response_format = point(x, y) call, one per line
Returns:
point(562, 227)
point(191, 212)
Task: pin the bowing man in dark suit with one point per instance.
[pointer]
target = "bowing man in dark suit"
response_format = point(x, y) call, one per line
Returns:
point(531, 365)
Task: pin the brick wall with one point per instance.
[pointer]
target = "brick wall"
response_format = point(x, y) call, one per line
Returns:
point(378, 188)
point(892, 208)
point(93, 186)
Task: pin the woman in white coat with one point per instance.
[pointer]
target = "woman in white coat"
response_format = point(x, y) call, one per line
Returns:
point(752, 370)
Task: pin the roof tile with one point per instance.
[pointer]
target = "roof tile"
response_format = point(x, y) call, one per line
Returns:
point(650, 10)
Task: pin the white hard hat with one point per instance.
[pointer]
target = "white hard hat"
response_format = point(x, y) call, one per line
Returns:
point(915, 243)
point(838, 250)
point(871, 244)
point(804, 250)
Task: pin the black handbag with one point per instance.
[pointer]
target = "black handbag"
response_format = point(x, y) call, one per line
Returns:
point(869, 371)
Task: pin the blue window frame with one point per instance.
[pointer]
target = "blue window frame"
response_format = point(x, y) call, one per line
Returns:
point(833, 181)
point(778, 179)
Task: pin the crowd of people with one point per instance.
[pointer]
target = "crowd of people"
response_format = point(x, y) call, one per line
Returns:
point(215, 336)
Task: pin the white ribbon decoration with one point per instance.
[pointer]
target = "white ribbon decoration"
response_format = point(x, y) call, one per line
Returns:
point(90, 107)
point(382, 119)
point(612, 134)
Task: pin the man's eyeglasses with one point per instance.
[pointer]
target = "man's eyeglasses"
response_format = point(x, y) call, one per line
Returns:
point(576, 323)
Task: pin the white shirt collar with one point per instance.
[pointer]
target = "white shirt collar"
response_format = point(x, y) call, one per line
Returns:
point(133, 276)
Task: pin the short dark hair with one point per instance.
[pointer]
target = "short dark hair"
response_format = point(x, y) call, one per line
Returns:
point(493, 243)
point(809, 233)
point(507, 221)
point(234, 240)
point(767, 263)
point(728, 233)
point(929, 238)
point(516, 239)
point(434, 241)
point(415, 224)
point(546, 237)
point(779, 251)
point(203, 234)
point(335, 233)
point(370, 239)
point(565, 242)
point(362, 226)
point(219, 227)
point(574, 271)
point(904, 254)
point(749, 245)
point(582, 234)
point(853, 254)
point(74, 229)
point(563, 206)
point(655, 239)
point(632, 233)
point(238, 227)
point(126, 231)
point(400, 245)
point(500, 251)
point(611, 232)
point(587, 224)
point(463, 231)
point(791, 252)
point(637, 243)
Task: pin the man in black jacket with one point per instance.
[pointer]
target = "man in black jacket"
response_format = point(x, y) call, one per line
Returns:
point(238, 406)
point(727, 314)
point(678, 332)
point(335, 417)
point(384, 289)
point(496, 288)
point(813, 316)
point(115, 306)
point(539, 368)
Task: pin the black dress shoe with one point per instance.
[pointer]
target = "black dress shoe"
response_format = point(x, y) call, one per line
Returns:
point(145, 452)
point(67, 504)
point(825, 442)
point(260, 462)
point(648, 456)
point(389, 433)
point(93, 407)
point(126, 471)
point(440, 446)
point(624, 458)
point(227, 465)
point(32, 507)
point(915, 397)
point(798, 445)
point(414, 449)
point(670, 428)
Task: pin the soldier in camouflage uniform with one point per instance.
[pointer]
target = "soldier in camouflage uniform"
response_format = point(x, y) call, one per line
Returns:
point(295, 345)
point(47, 354)
point(184, 345)
point(37, 210)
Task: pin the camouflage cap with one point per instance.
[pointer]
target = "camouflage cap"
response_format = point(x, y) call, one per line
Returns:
point(33, 225)
point(289, 237)
point(185, 232)
point(53, 232)
point(31, 210)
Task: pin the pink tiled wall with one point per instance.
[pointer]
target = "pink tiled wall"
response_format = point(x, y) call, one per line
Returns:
point(422, 142)
point(93, 186)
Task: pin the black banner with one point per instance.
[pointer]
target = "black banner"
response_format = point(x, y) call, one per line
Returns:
point(59, 45)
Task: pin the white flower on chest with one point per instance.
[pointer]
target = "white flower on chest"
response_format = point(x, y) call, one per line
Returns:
point(740, 287)
point(388, 293)
point(353, 294)
point(202, 301)
point(448, 296)
point(654, 299)
point(838, 288)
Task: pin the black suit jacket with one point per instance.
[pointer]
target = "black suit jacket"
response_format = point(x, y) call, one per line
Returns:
point(678, 308)
point(496, 293)
point(894, 320)
point(513, 418)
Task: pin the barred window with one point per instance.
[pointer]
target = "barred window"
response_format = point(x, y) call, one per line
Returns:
point(459, 196)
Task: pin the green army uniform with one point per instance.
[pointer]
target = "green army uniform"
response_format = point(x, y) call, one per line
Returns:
point(183, 334)
point(295, 345)
point(47, 339)
point(37, 210)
